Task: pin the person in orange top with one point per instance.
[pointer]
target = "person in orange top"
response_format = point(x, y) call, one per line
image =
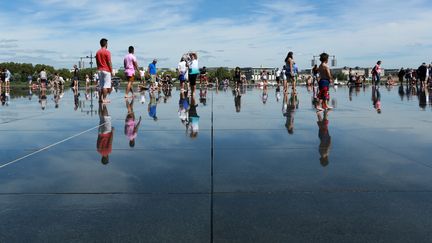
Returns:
point(106, 134)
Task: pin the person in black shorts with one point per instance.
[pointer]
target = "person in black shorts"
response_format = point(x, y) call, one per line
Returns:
point(75, 77)
point(237, 78)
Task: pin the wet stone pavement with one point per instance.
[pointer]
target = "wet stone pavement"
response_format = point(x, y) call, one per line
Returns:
point(254, 167)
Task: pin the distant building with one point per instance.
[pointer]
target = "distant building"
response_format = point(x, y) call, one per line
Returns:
point(254, 74)
point(367, 72)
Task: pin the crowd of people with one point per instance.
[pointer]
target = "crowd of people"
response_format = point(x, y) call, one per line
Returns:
point(159, 89)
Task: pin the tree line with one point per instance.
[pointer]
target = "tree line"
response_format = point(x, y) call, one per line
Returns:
point(21, 71)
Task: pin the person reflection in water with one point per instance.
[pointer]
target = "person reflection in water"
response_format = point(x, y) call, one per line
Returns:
point(193, 125)
point(264, 96)
point(43, 98)
point(76, 99)
point(237, 100)
point(131, 126)
point(278, 93)
point(289, 107)
point(324, 136)
point(152, 106)
point(183, 109)
point(106, 134)
point(203, 95)
point(376, 99)
point(423, 97)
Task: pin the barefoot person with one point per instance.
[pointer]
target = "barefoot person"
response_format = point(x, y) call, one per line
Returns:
point(193, 71)
point(131, 66)
point(43, 77)
point(8, 76)
point(182, 70)
point(376, 73)
point(103, 60)
point(289, 71)
point(75, 77)
point(152, 71)
point(324, 82)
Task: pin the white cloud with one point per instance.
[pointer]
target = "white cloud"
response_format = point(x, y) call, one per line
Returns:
point(359, 33)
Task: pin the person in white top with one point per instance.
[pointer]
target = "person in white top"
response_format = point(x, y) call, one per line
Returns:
point(278, 75)
point(43, 77)
point(8, 75)
point(182, 72)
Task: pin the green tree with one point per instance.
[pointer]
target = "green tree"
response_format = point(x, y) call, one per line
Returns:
point(221, 74)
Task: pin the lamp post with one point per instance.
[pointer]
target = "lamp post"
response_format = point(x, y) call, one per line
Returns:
point(333, 60)
point(91, 75)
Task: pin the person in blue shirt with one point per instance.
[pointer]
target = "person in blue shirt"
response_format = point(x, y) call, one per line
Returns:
point(152, 70)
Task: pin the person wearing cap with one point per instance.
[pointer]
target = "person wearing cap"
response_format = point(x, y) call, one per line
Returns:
point(152, 70)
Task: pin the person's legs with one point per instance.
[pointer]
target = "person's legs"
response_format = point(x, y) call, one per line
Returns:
point(129, 86)
point(377, 80)
point(293, 84)
point(192, 80)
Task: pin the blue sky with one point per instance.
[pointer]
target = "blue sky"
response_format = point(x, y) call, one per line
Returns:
point(225, 33)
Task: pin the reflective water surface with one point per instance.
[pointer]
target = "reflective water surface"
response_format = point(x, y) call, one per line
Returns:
point(223, 165)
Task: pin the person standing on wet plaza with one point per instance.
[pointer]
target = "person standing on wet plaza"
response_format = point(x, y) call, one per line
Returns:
point(324, 82)
point(105, 134)
point(289, 72)
point(325, 138)
point(43, 77)
point(315, 74)
point(376, 74)
point(351, 79)
point(237, 78)
point(75, 77)
point(87, 81)
point(104, 65)
point(131, 125)
point(130, 65)
point(401, 76)
point(7, 77)
point(422, 72)
point(203, 76)
point(182, 73)
point(278, 75)
point(193, 71)
point(152, 71)
point(264, 78)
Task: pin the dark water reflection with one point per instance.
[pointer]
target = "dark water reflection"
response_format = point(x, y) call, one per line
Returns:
point(375, 110)
point(267, 158)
